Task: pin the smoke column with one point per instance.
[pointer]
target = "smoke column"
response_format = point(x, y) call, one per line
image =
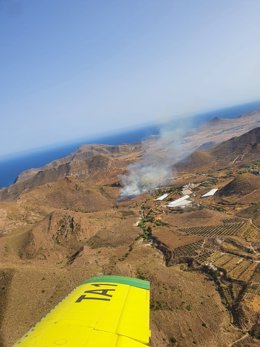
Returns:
point(156, 166)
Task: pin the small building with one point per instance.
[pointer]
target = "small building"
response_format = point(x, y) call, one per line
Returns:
point(210, 193)
point(181, 202)
point(164, 196)
point(186, 191)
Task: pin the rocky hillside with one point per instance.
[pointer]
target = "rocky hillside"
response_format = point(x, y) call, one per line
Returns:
point(93, 163)
point(62, 224)
point(239, 150)
point(103, 163)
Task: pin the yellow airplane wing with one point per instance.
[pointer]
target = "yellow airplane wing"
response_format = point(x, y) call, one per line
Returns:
point(105, 311)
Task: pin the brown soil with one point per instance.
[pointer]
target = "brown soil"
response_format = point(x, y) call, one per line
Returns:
point(201, 261)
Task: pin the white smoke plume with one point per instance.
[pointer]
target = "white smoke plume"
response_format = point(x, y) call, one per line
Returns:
point(155, 169)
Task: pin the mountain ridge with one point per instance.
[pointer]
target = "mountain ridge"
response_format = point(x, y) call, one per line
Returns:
point(241, 149)
point(64, 224)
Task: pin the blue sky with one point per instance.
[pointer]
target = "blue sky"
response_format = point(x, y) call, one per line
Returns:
point(76, 68)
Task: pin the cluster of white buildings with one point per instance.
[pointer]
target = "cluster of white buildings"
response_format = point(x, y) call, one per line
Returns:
point(186, 200)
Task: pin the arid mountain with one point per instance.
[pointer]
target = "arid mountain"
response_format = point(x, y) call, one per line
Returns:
point(62, 224)
point(240, 150)
point(103, 163)
point(93, 163)
point(220, 130)
point(85, 162)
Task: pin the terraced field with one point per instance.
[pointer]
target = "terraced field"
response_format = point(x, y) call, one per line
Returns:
point(251, 234)
point(215, 230)
point(227, 262)
point(204, 255)
point(232, 220)
point(215, 256)
point(236, 267)
point(253, 290)
point(240, 269)
point(255, 285)
point(190, 250)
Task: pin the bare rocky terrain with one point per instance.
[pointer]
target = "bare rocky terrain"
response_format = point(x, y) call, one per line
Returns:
point(62, 224)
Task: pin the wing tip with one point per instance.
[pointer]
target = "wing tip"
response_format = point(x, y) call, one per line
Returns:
point(130, 281)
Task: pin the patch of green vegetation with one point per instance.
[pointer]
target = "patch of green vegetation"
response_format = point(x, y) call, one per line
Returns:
point(142, 275)
point(158, 193)
point(206, 184)
point(146, 233)
point(213, 180)
point(172, 341)
point(146, 229)
point(188, 307)
point(175, 189)
point(254, 286)
point(220, 209)
point(158, 305)
point(141, 224)
point(160, 223)
point(255, 331)
point(148, 218)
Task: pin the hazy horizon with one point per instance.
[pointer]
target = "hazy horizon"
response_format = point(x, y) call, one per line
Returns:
point(108, 138)
point(110, 135)
point(74, 70)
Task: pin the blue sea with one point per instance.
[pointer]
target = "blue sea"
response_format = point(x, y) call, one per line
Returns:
point(10, 168)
